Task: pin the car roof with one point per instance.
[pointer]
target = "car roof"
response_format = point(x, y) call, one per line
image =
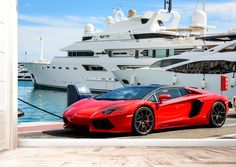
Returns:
point(150, 86)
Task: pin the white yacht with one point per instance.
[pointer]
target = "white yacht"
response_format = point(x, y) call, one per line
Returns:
point(127, 43)
point(23, 74)
point(202, 69)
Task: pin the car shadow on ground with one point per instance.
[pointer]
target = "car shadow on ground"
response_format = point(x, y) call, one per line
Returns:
point(70, 133)
point(73, 133)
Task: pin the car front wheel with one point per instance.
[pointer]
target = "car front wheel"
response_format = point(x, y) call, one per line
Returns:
point(143, 121)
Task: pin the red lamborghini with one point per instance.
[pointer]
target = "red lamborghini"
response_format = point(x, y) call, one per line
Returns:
point(142, 109)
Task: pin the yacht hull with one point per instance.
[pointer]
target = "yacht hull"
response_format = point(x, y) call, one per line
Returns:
point(210, 82)
point(72, 71)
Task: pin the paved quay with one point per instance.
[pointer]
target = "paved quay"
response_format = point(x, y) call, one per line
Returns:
point(120, 156)
point(55, 130)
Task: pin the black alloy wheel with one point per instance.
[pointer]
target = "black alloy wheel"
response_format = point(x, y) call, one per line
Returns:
point(143, 121)
point(218, 114)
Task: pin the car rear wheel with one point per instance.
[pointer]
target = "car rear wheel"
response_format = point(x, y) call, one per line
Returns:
point(143, 121)
point(218, 114)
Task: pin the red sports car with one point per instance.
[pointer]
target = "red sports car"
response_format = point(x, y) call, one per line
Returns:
point(141, 109)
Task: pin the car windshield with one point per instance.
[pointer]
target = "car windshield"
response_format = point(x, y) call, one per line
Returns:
point(126, 93)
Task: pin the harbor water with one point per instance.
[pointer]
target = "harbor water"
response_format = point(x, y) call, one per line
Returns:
point(50, 100)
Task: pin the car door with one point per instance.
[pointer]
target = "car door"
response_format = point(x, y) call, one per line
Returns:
point(171, 113)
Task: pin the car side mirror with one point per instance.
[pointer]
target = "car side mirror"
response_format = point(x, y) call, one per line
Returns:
point(164, 97)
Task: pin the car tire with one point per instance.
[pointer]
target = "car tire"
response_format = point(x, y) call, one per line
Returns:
point(217, 115)
point(143, 121)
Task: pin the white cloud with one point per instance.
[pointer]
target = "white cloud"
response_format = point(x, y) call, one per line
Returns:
point(54, 38)
point(224, 10)
point(50, 21)
point(57, 33)
point(74, 18)
point(67, 21)
point(97, 19)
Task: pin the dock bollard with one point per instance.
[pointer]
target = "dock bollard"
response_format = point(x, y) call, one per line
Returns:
point(234, 103)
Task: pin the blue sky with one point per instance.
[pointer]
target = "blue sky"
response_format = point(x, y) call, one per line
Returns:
point(61, 22)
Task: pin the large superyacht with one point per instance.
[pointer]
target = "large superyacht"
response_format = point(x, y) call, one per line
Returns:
point(128, 42)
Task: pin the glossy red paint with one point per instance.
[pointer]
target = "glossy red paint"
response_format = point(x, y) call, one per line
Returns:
point(168, 114)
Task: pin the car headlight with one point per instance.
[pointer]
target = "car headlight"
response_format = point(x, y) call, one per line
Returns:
point(110, 110)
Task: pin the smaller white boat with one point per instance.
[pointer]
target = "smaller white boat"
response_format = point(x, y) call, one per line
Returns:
point(198, 68)
point(23, 74)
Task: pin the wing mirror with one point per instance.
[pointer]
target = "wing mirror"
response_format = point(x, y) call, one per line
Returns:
point(164, 97)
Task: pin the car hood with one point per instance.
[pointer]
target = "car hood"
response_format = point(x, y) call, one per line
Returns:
point(91, 106)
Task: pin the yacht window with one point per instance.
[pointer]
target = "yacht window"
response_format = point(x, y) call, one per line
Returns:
point(94, 68)
point(153, 53)
point(67, 68)
point(101, 53)
point(153, 35)
point(144, 20)
point(167, 52)
point(179, 51)
point(125, 67)
point(160, 53)
point(42, 67)
point(144, 53)
point(48, 67)
point(60, 67)
point(109, 53)
point(24, 72)
point(87, 38)
point(167, 62)
point(160, 23)
point(75, 68)
point(231, 48)
point(136, 54)
point(89, 53)
point(206, 67)
point(74, 54)
point(54, 67)
point(120, 53)
point(104, 36)
point(70, 54)
point(125, 81)
point(81, 53)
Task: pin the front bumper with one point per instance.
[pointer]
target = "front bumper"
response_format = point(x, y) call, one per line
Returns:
point(105, 123)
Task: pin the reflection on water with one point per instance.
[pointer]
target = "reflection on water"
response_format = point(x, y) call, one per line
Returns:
point(50, 100)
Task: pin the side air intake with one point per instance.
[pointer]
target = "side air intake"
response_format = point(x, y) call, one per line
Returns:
point(196, 108)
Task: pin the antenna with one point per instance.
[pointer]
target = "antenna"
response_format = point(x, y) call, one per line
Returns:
point(41, 48)
point(204, 5)
point(25, 55)
point(168, 5)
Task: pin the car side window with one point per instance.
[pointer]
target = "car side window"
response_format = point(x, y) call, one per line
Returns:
point(152, 99)
point(183, 92)
point(171, 91)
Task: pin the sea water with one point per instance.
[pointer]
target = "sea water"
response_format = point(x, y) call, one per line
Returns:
point(49, 100)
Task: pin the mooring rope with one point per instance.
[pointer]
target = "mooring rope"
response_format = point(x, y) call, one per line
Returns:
point(39, 108)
